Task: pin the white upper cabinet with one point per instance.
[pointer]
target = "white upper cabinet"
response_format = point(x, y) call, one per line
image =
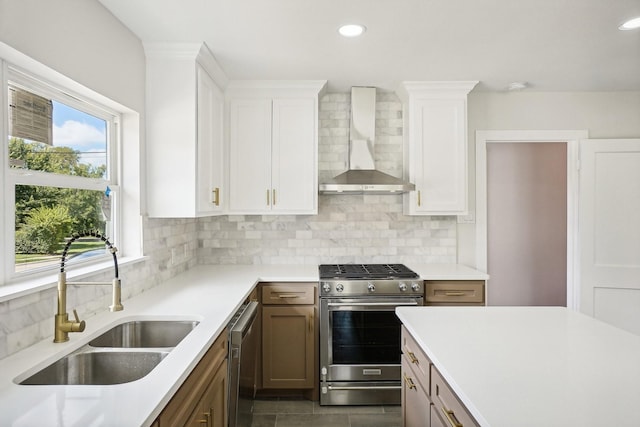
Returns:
point(185, 116)
point(273, 147)
point(435, 135)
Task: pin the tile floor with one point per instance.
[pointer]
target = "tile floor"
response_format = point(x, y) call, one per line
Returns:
point(281, 412)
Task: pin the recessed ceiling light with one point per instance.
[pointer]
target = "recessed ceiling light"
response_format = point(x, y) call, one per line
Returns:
point(631, 24)
point(351, 30)
point(516, 86)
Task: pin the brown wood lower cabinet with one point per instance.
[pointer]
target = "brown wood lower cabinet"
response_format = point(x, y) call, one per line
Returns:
point(454, 292)
point(202, 399)
point(289, 338)
point(427, 400)
point(415, 400)
point(446, 403)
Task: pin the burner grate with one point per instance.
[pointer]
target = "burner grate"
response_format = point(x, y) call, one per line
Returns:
point(366, 271)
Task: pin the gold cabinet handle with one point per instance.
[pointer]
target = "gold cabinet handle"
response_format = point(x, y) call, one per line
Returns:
point(419, 200)
point(310, 324)
point(451, 417)
point(207, 417)
point(268, 201)
point(288, 296)
point(412, 357)
point(274, 196)
point(454, 294)
point(216, 196)
point(409, 382)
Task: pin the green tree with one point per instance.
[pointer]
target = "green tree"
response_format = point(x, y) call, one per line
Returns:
point(44, 230)
point(38, 207)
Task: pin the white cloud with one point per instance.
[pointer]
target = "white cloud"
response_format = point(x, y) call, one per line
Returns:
point(79, 136)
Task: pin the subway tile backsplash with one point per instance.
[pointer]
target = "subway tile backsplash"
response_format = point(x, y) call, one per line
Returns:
point(29, 319)
point(348, 228)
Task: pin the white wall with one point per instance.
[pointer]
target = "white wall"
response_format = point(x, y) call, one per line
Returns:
point(81, 40)
point(603, 114)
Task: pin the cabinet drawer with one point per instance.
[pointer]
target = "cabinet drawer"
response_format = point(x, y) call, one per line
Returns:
point(454, 292)
point(447, 405)
point(418, 361)
point(415, 400)
point(288, 293)
point(185, 401)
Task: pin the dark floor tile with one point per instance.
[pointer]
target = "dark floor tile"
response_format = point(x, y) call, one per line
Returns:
point(376, 420)
point(264, 420)
point(312, 420)
point(339, 409)
point(265, 406)
point(295, 407)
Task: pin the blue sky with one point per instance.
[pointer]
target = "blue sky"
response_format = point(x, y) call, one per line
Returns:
point(80, 131)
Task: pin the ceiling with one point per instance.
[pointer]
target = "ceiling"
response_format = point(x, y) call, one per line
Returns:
point(553, 45)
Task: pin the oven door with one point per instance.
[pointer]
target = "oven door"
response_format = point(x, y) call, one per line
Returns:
point(360, 338)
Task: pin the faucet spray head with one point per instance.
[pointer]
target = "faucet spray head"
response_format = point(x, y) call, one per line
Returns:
point(116, 300)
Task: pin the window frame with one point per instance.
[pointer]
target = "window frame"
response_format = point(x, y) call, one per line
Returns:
point(43, 81)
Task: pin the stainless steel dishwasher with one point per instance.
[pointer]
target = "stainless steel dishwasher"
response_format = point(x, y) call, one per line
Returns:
point(243, 357)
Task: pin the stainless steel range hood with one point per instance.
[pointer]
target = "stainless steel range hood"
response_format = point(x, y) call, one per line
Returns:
point(362, 176)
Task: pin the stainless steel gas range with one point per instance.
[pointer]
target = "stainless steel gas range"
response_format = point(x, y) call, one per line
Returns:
point(360, 333)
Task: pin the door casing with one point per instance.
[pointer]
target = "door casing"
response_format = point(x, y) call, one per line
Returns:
point(571, 138)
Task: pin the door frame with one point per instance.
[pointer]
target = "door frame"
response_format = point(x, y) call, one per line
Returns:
point(569, 137)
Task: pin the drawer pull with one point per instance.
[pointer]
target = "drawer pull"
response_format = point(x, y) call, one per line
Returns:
point(216, 196)
point(412, 358)
point(284, 296)
point(451, 417)
point(409, 382)
point(454, 294)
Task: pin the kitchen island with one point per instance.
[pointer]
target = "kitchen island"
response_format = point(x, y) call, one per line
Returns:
point(208, 294)
point(532, 366)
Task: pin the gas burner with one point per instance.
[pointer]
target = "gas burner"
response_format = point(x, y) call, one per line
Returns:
point(365, 271)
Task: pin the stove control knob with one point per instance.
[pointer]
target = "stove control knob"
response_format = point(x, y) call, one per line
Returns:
point(415, 287)
point(339, 287)
point(402, 286)
point(326, 288)
point(371, 287)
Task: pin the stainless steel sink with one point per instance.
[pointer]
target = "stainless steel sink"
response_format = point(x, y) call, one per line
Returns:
point(145, 334)
point(98, 368)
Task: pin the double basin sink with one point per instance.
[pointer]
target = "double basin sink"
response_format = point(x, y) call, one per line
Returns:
point(126, 352)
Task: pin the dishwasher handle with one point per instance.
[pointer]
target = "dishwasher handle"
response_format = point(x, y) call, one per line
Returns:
point(243, 325)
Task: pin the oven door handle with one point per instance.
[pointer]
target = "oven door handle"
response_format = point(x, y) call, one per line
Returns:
point(372, 387)
point(372, 304)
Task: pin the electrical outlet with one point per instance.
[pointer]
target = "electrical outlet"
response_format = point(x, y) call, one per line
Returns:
point(470, 218)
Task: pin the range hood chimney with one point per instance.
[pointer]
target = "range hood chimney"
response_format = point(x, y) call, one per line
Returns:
point(362, 176)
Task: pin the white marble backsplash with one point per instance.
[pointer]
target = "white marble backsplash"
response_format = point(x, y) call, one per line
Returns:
point(348, 228)
point(29, 319)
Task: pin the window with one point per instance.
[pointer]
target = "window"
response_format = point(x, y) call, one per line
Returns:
point(61, 172)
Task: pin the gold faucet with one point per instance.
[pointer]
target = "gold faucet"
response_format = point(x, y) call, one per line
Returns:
point(62, 323)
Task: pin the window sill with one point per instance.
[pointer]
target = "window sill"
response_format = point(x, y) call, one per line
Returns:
point(37, 284)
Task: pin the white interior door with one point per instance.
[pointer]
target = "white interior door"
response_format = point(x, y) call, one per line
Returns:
point(609, 231)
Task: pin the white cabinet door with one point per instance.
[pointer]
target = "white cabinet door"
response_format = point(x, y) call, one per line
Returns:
point(273, 156)
point(184, 143)
point(294, 156)
point(440, 160)
point(210, 166)
point(250, 156)
point(435, 133)
point(610, 232)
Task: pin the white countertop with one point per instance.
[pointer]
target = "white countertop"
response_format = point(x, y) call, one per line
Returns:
point(209, 294)
point(532, 366)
